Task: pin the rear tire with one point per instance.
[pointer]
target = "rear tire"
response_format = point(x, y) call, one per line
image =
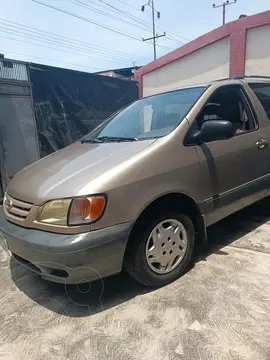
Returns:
point(152, 258)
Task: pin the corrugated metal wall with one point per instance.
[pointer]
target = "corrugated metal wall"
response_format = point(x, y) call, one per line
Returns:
point(13, 71)
point(17, 121)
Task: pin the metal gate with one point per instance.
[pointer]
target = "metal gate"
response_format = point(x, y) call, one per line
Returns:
point(18, 134)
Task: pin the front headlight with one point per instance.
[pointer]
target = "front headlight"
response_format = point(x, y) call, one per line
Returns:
point(77, 211)
point(55, 212)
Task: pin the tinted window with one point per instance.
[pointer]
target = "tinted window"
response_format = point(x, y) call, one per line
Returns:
point(150, 117)
point(262, 92)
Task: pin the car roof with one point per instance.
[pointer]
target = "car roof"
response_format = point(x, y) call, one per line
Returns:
point(245, 78)
point(224, 81)
point(232, 80)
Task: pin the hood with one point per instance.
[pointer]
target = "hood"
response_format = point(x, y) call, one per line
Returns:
point(63, 173)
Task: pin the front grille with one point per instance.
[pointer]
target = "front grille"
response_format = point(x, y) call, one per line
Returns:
point(17, 208)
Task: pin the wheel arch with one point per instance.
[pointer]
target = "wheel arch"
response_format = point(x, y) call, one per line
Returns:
point(178, 202)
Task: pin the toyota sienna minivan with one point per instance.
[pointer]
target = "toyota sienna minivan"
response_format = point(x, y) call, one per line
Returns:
point(134, 192)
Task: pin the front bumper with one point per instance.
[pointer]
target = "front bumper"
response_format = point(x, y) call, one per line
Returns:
point(68, 259)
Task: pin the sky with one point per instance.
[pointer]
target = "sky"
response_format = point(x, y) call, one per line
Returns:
point(96, 35)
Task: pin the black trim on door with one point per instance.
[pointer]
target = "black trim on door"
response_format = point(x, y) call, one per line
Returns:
point(239, 193)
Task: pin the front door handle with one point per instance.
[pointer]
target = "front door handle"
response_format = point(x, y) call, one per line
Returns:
point(262, 144)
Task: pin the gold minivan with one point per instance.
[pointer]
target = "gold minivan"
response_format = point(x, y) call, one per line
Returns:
point(134, 192)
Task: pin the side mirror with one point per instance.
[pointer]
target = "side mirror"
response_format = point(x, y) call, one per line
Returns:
point(213, 130)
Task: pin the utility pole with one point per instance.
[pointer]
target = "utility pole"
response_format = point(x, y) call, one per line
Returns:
point(227, 3)
point(155, 36)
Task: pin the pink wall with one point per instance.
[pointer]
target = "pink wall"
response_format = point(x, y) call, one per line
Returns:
point(237, 32)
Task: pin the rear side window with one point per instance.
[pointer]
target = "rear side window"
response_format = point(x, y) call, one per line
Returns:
point(262, 91)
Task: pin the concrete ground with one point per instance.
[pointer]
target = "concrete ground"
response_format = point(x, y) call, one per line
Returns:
point(219, 310)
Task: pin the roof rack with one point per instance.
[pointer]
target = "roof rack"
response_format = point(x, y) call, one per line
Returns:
point(239, 77)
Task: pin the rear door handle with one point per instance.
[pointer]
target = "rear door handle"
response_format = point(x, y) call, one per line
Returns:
point(262, 144)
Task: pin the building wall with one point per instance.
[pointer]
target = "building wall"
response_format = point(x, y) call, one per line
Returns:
point(258, 51)
point(208, 63)
point(236, 48)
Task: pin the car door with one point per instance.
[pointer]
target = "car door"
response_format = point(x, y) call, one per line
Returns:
point(234, 171)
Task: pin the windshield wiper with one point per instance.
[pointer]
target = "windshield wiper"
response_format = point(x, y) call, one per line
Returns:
point(116, 138)
point(88, 141)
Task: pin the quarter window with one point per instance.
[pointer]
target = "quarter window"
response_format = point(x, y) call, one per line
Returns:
point(262, 91)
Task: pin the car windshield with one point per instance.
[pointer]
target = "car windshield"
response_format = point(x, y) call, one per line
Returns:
point(147, 118)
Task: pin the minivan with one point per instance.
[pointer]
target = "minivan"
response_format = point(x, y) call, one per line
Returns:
point(135, 191)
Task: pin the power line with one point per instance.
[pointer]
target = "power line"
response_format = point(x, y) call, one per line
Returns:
point(44, 39)
point(87, 20)
point(172, 33)
point(195, 14)
point(80, 3)
point(227, 3)
point(65, 43)
point(121, 12)
point(70, 40)
point(123, 2)
point(92, 22)
point(28, 42)
point(42, 58)
point(134, 18)
point(165, 47)
point(50, 47)
point(169, 32)
point(59, 43)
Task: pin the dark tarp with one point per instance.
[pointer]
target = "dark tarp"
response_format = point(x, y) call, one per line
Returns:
point(68, 104)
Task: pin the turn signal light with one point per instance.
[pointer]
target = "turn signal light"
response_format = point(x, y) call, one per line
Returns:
point(86, 210)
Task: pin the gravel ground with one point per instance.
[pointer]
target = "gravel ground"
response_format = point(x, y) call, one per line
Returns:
point(220, 309)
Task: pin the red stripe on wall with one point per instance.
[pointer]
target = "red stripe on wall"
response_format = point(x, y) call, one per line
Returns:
point(237, 49)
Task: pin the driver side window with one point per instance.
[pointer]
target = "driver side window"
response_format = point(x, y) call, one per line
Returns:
point(229, 103)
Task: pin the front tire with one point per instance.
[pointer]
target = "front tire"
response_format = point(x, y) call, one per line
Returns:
point(160, 250)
